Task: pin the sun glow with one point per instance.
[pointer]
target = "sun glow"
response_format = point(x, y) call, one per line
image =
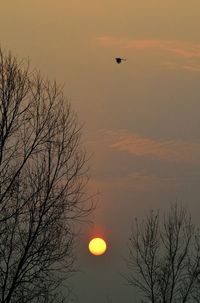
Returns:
point(97, 246)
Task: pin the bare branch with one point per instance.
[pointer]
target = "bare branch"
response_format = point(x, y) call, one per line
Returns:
point(43, 175)
point(164, 259)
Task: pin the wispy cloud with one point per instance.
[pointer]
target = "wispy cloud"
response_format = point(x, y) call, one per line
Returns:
point(138, 181)
point(184, 49)
point(188, 66)
point(175, 162)
point(169, 150)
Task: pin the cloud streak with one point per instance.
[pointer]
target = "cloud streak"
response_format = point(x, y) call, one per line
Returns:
point(168, 150)
point(182, 49)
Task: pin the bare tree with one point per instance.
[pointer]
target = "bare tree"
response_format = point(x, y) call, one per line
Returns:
point(164, 257)
point(42, 184)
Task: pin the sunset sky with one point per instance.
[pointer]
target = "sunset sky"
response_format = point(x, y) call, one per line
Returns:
point(141, 118)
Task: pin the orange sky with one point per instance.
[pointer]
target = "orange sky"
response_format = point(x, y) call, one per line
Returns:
point(141, 118)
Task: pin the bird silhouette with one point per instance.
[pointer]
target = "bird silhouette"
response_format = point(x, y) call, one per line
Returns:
point(119, 60)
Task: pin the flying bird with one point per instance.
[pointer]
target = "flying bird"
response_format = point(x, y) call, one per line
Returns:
point(119, 60)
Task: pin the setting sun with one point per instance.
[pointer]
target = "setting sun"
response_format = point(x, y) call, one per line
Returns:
point(97, 246)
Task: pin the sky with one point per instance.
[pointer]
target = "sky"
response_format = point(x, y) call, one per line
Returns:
point(140, 119)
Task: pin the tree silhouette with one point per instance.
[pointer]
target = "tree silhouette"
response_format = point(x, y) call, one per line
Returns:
point(42, 184)
point(164, 257)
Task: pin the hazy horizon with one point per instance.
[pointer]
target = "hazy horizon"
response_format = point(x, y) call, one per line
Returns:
point(140, 118)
